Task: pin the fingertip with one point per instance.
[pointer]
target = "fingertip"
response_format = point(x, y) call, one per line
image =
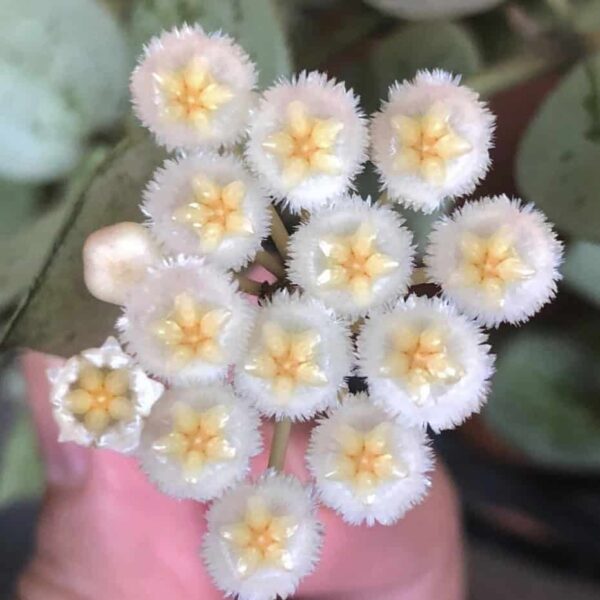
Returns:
point(66, 463)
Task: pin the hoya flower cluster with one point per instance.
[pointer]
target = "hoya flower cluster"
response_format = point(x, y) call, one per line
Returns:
point(199, 363)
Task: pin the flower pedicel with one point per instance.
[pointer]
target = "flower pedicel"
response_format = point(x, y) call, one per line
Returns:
point(347, 305)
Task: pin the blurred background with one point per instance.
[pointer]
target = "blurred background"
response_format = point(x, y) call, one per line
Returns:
point(72, 160)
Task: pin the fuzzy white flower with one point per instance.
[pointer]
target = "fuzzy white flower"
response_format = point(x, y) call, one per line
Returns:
point(431, 140)
point(298, 358)
point(197, 442)
point(262, 538)
point(99, 398)
point(307, 140)
point(368, 468)
point(353, 256)
point(186, 322)
point(497, 259)
point(208, 205)
point(115, 258)
point(432, 9)
point(193, 89)
point(425, 363)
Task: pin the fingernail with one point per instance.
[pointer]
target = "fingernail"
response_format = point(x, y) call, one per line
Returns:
point(67, 464)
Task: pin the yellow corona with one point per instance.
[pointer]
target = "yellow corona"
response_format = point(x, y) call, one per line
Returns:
point(427, 143)
point(100, 397)
point(365, 459)
point(215, 212)
point(197, 438)
point(354, 263)
point(192, 331)
point(305, 145)
point(191, 94)
point(287, 359)
point(261, 538)
point(420, 358)
point(491, 263)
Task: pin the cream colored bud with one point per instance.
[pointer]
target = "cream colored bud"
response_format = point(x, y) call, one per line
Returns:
point(115, 258)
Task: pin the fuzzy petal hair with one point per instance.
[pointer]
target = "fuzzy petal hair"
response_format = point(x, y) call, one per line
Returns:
point(171, 187)
point(228, 64)
point(391, 499)
point(241, 432)
point(343, 218)
point(470, 119)
point(535, 241)
point(284, 495)
point(326, 99)
point(299, 313)
point(153, 299)
point(447, 404)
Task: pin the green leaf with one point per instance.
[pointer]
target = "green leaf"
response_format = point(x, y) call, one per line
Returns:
point(420, 225)
point(18, 206)
point(75, 47)
point(255, 24)
point(449, 46)
point(581, 271)
point(58, 314)
point(545, 399)
point(432, 9)
point(557, 162)
point(25, 247)
point(41, 135)
point(21, 473)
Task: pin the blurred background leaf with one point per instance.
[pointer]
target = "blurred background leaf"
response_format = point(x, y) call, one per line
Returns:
point(64, 67)
point(450, 46)
point(581, 270)
point(50, 317)
point(545, 401)
point(21, 474)
point(257, 25)
point(31, 227)
point(432, 9)
point(557, 163)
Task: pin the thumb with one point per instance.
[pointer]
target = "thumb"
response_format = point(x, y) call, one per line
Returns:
point(66, 464)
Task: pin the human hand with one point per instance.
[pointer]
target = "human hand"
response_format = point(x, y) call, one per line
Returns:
point(106, 533)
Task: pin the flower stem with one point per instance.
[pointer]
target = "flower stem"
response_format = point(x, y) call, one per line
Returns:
point(281, 435)
point(279, 233)
point(271, 262)
point(248, 286)
point(511, 72)
point(419, 276)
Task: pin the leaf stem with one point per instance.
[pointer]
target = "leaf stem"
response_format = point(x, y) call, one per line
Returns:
point(248, 286)
point(279, 233)
point(513, 71)
point(281, 436)
point(271, 262)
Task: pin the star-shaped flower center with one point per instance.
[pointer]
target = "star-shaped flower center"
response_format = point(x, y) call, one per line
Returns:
point(306, 145)
point(197, 438)
point(287, 359)
point(100, 397)
point(215, 212)
point(492, 263)
point(420, 359)
point(427, 143)
point(191, 94)
point(365, 459)
point(261, 538)
point(354, 263)
point(192, 331)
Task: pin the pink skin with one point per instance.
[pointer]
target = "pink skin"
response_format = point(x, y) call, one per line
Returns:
point(106, 533)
